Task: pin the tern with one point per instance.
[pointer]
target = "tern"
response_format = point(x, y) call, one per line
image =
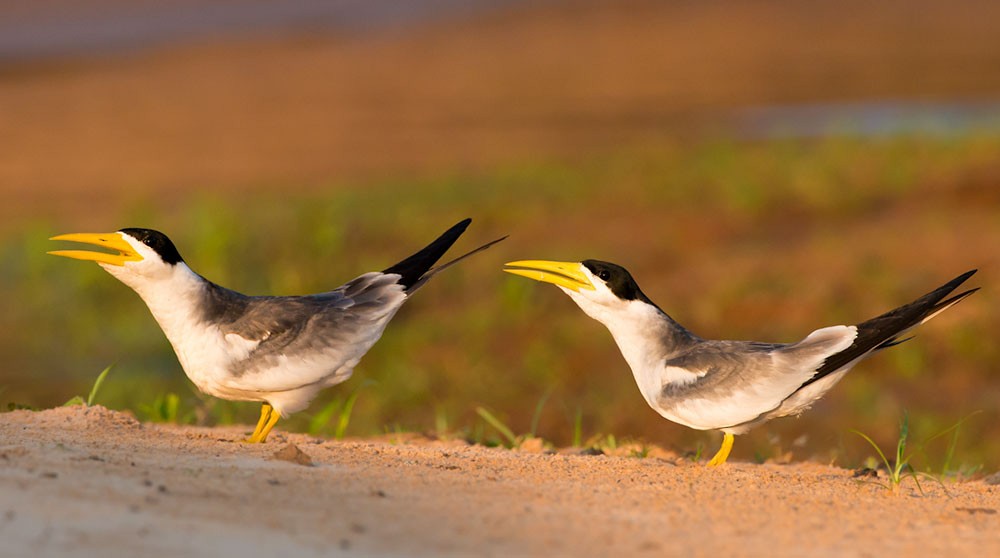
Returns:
point(279, 350)
point(730, 386)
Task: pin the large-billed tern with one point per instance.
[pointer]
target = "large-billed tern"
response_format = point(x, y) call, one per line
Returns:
point(279, 350)
point(730, 386)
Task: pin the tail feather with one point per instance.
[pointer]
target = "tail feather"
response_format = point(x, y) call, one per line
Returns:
point(435, 270)
point(413, 268)
point(942, 306)
point(884, 331)
point(893, 342)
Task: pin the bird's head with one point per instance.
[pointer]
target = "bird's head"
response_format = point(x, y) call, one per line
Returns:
point(134, 256)
point(603, 290)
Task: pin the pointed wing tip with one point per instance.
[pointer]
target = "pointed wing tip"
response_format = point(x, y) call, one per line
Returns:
point(460, 227)
point(954, 283)
point(944, 289)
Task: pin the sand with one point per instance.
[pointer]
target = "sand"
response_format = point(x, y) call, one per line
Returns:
point(85, 481)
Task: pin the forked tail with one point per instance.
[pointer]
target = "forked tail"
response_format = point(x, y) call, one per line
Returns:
point(884, 331)
point(415, 270)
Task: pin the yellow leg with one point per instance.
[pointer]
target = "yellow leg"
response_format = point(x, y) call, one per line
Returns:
point(261, 435)
point(723, 455)
point(266, 410)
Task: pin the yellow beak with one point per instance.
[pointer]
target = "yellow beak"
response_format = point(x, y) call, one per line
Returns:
point(111, 241)
point(564, 274)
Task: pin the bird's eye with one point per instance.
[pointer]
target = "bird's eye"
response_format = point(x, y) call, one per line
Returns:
point(604, 274)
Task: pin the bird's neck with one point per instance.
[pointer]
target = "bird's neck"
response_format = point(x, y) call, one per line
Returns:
point(173, 298)
point(646, 337)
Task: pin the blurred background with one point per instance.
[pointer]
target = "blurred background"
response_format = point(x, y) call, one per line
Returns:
point(763, 168)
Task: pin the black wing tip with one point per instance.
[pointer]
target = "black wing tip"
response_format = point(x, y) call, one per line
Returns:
point(881, 332)
point(450, 236)
point(414, 267)
point(947, 288)
point(961, 278)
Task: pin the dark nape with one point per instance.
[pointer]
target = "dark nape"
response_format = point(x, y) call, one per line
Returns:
point(158, 242)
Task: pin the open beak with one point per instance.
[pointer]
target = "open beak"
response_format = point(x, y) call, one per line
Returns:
point(564, 274)
point(111, 241)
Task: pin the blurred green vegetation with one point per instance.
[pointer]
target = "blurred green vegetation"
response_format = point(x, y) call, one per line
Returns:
point(763, 240)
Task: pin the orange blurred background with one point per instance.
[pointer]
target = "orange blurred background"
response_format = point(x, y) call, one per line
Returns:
point(763, 168)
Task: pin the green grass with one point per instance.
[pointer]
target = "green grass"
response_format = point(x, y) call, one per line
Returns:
point(901, 467)
point(165, 408)
point(577, 439)
point(322, 423)
point(509, 438)
point(78, 400)
point(765, 240)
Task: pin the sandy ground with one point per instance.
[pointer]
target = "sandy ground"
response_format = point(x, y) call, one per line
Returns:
point(78, 481)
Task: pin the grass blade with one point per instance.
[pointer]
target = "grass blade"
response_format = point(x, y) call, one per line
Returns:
point(322, 418)
point(344, 418)
point(441, 422)
point(499, 426)
point(950, 452)
point(874, 445)
point(535, 418)
point(78, 400)
point(97, 385)
point(904, 432)
point(578, 428)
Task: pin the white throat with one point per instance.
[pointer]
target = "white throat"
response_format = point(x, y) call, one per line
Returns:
point(642, 333)
point(172, 296)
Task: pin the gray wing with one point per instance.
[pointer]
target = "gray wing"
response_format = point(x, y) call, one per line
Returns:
point(721, 368)
point(733, 382)
point(291, 342)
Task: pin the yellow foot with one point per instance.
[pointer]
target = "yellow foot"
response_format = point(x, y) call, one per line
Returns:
point(723, 454)
point(267, 420)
